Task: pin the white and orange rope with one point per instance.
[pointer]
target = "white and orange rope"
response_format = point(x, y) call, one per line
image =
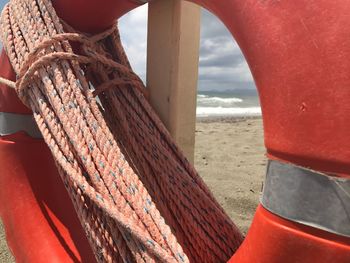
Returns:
point(136, 195)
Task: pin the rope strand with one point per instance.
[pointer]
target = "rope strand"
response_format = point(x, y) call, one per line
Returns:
point(136, 195)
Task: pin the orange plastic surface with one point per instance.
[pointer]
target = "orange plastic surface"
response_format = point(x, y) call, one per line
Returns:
point(272, 239)
point(298, 53)
point(39, 218)
point(93, 16)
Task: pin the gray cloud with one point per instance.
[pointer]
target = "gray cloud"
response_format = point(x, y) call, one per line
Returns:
point(220, 60)
point(221, 64)
point(133, 31)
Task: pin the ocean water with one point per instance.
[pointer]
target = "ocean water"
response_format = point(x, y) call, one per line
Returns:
point(236, 102)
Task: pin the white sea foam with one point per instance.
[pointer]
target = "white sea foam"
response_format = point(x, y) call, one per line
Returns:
point(220, 111)
point(228, 104)
point(206, 101)
point(224, 100)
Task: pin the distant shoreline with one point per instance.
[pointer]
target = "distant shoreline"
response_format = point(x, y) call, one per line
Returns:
point(225, 119)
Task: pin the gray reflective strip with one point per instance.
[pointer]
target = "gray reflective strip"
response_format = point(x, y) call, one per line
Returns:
point(11, 123)
point(308, 197)
point(142, 1)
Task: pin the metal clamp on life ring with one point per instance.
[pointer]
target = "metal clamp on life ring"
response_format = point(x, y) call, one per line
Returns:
point(11, 123)
point(308, 197)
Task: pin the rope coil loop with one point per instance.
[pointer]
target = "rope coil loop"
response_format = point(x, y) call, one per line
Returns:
point(35, 60)
point(136, 195)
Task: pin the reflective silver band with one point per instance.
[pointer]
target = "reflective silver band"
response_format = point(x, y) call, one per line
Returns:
point(142, 1)
point(308, 197)
point(11, 123)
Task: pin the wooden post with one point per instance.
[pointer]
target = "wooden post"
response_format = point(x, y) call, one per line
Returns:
point(172, 67)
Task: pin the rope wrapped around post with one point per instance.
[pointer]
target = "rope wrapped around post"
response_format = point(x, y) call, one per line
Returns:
point(136, 195)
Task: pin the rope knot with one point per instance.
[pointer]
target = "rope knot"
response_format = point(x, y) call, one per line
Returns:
point(44, 55)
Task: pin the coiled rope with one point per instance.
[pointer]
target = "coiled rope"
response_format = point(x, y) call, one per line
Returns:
point(136, 195)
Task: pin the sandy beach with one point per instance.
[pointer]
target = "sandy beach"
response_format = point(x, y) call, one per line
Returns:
point(229, 155)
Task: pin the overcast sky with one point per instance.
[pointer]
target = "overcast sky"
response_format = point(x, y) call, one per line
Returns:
point(221, 63)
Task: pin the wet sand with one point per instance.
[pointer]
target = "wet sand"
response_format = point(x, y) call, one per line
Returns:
point(229, 155)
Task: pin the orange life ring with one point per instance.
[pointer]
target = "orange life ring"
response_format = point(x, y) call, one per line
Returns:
point(297, 52)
